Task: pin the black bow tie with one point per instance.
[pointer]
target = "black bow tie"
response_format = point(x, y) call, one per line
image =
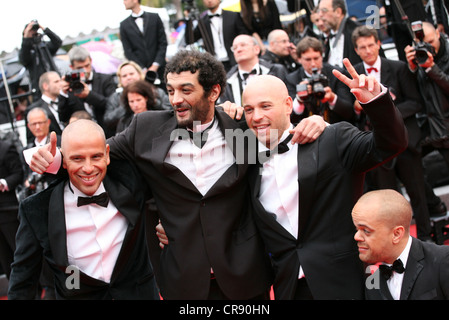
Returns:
point(246, 74)
point(102, 200)
point(214, 15)
point(386, 271)
point(199, 138)
point(281, 148)
point(137, 17)
point(88, 81)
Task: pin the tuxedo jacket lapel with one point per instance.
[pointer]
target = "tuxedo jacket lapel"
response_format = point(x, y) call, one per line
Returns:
point(306, 164)
point(413, 269)
point(57, 231)
point(268, 217)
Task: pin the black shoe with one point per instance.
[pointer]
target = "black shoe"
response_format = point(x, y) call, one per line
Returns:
point(439, 210)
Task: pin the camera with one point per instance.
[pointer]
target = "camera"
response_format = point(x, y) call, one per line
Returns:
point(75, 78)
point(35, 25)
point(318, 82)
point(421, 47)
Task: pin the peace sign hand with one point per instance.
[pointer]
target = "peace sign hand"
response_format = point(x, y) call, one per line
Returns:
point(362, 86)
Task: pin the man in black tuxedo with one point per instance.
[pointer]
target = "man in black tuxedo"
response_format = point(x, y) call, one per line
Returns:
point(95, 88)
point(143, 38)
point(404, 91)
point(220, 28)
point(11, 176)
point(335, 103)
point(246, 52)
point(303, 194)
point(280, 50)
point(57, 106)
point(97, 250)
point(339, 45)
point(410, 268)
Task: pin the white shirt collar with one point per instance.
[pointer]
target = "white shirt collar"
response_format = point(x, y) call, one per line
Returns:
point(141, 12)
point(219, 11)
point(375, 65)
point(263, 147)
point(78, 193)
point(47, 99)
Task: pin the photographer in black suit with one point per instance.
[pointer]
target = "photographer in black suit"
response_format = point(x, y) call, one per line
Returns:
point(91, 88)
point(403, 89)
point(331, 99)
point(37, 55)
point(430, 62)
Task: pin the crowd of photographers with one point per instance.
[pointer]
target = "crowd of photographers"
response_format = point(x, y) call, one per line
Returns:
point(303, 55)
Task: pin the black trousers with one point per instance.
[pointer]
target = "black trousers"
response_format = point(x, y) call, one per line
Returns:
point(215, 293)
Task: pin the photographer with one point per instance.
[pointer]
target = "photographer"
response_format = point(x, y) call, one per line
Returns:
point(433, 83)
point(91, 88)
point(320, 92)
point(37, 55)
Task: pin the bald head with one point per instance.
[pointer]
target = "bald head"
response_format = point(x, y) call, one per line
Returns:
point(431, 36)
point(382, 220)
point(270, 85)
point(81, 130)
point(389, 206)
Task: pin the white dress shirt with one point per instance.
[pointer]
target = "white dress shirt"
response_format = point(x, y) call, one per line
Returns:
point(94, 234)
point(54, 109)
point(216, 25)
point(202, 166)
point(336, 51)
point(374, 73)
point(395, 282)
point(139, 19)
point(279, 189)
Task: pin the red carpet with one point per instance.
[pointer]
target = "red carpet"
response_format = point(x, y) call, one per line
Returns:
point(412, 232)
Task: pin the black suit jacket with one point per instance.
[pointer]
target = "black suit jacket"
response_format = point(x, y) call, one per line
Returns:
point(396, 76)
point(42, 233)
point(103, 86)
point(211, 231)
point(10, 170)
point(426, 275)
point(146, 48)
point(232, 26)
point(331, 173)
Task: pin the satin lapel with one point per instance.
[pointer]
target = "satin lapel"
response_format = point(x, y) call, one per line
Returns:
point(234, 139)
point(384, 290)
point(129, 208)
point(413, 268)
point(385, 72)
point(268, 218)
point(307, 169)
point(160, 147)
point(57, 231)
point(122, 198)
